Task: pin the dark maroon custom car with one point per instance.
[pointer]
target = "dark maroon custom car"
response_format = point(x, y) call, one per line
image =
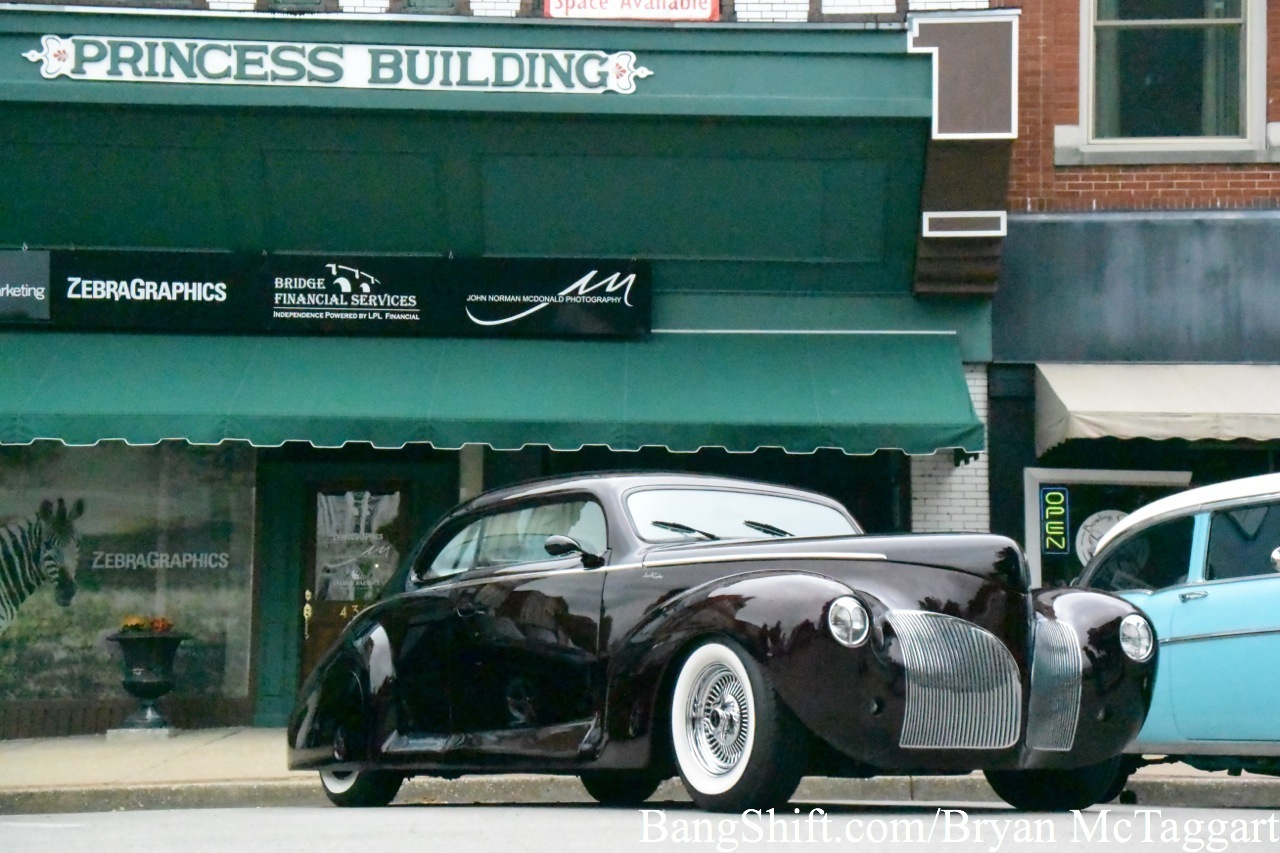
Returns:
point(625, 628)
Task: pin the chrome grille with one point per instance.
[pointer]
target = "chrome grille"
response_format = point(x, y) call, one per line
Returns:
point(963, 686)
point(1054, 709)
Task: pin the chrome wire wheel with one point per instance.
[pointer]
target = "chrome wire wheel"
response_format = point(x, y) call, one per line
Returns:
point(713, 719)
point(719, 720)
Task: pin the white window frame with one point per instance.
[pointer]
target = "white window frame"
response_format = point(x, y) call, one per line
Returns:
point(1034, 478)
point(1075, 145)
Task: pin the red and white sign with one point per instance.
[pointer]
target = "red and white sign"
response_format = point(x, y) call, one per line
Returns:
point(638, 10)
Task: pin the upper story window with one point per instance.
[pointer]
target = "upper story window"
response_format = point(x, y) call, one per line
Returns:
point(1169, 68)
point(1169, 81)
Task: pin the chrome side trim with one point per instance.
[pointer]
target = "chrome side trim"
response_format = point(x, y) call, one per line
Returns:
point(1053, 712)
point(516, 574)
point(963, 687)
point(742, 558)
point(1220, 635)
point(1250, 748)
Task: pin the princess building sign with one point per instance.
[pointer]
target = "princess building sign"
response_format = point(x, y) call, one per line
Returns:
point(344, 66)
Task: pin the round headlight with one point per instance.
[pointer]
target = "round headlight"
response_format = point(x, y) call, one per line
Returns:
point(1136, 637)
point(849, 621)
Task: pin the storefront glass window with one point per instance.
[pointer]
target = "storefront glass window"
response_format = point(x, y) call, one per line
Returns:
point(150, 531)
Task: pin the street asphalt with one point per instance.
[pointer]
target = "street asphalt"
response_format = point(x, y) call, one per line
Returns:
point(245, 767)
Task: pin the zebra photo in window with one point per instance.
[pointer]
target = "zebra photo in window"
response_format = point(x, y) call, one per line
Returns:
point(44, 547)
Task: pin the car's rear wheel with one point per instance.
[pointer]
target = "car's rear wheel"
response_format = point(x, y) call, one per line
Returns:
point(620, 787)
point(361, 788)
point(1057, 790)
point(736, 745)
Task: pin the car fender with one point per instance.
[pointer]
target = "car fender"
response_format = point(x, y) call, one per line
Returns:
point(341, 717)
point(772, 616)
point(1115, 691)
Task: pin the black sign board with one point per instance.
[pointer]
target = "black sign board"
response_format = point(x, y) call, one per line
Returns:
point(208, 292)
point(24, 287)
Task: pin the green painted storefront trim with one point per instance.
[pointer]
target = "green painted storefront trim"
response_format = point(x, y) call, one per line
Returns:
point(281, 500)
point(740, 204)
point(720, 69)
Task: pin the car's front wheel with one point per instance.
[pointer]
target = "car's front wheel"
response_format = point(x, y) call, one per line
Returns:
point(1057, 790)
point(736, 745)
point(360, 788)
point(620, 787)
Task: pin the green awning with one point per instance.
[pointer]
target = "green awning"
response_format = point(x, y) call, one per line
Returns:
point(800, 392)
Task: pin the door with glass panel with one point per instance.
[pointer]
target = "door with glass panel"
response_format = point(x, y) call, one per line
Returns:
point(356, 541)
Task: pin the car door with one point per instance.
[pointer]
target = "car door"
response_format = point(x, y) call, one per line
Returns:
point(423, 623)
point(426, 627)
point(527, 661)
point(1151, 568)
point(1226, 631)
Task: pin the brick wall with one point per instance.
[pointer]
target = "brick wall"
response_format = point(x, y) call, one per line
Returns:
point(771, 10)
point(950, 497)
point(1049, 78)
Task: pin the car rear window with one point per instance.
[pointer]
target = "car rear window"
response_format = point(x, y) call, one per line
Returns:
point(674, 515)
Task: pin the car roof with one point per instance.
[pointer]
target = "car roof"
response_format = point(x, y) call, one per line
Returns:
point(622, 481)
point(1193, 500)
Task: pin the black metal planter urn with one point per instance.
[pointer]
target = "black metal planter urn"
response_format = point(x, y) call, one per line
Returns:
point(148, 672)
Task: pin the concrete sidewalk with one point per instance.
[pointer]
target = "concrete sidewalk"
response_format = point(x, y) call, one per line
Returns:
point(246, 767)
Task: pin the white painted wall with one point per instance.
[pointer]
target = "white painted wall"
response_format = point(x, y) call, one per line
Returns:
point(947, 497)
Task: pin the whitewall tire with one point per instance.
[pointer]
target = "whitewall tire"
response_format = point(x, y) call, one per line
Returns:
point(360, 788)
point(736, 746)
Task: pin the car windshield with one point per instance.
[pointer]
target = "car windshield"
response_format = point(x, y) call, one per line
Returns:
point(677, 515)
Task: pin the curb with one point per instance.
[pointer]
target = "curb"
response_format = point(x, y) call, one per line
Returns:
point(1220, 792)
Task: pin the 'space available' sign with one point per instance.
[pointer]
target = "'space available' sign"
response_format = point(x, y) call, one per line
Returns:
point(319, 294)
point(637, 10)
point(344, 66)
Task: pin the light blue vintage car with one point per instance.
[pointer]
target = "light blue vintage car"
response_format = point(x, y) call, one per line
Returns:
point(1204, 565)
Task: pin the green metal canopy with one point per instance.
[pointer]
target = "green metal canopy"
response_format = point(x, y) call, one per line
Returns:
point(856, 392)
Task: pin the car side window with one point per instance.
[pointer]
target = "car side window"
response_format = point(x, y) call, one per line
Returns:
point(520, 536)
point(1152, 559)
point(459, 554)
point(1241, 541)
